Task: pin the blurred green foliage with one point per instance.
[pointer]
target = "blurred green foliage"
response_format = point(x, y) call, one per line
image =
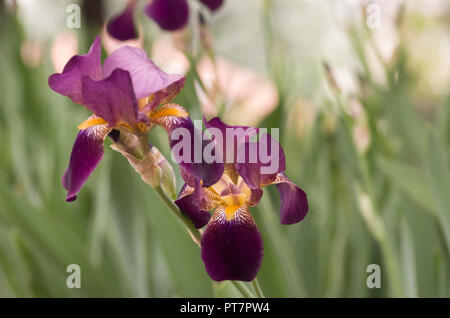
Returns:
point(388, 204)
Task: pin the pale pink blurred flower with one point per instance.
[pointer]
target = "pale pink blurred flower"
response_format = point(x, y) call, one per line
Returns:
point(361, 132)
point(301, 118)
point(31, 53)
point(65, 45)
point(247, 97)
point(168, 57)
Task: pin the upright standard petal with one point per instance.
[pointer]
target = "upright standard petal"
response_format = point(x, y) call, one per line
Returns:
point(148, 80)
point(260, 161)
point(112, 98)
point(232, 247)
point(232, 137)
point(212, 5)
point(170, 15)
point(293, 200)
point(86, 154)
point(188, 145)
point(68, 83)
point(121, 26)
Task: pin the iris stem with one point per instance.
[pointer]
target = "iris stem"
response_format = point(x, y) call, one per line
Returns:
point(193, 231)
point(245, 292)
point(196, 235)
point(257, 288)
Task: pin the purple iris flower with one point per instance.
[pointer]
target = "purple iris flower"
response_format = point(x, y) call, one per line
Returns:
point(121, 26)
point(173, 15)
point(231, 244)
point(129, 93)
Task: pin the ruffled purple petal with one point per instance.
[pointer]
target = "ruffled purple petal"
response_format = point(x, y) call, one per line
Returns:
point(86, 154)
point(293, 200)
point(232, 250)
point(112, 98)
point(147, 78)
point(260, 161)
point(212, 5)
point(121, 27)
point(68, 83)
point(170, 15)
point(195, 203)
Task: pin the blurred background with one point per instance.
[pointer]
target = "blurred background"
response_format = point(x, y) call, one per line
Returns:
point(360, 94)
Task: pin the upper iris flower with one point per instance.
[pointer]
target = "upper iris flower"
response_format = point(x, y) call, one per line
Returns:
point(173, 15)
point(124, 95)
point(231, 244)
point(120, 30)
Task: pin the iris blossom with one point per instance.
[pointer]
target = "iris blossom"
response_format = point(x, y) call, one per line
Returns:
point(231, 245)
point(173, 15)
point(120, 30)
point(128, 95)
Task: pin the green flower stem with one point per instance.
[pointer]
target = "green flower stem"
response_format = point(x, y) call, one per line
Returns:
point(196, 237)
point(257, 288)
point(193, 231)
point(240, 286)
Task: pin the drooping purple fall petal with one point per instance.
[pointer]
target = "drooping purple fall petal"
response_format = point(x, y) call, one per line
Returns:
point(293, 200)
point(170, 15)
point(112, 98)
point(86, 154)
point(68, 83)
point(147, 78)
point(232, 249)
point(121, 26)
point(212, 5)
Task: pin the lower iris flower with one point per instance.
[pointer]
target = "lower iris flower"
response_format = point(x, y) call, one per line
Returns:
point(231, 244)
point(128, 95)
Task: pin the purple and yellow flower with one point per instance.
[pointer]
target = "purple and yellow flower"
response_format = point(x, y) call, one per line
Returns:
point(129, 94)
point(172, 15)
point(231, 245)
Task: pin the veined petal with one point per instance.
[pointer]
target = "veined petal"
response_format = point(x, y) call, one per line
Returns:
point(147, 78)
point(112, 98)
point(293, 200)
point(170, 15)
point(195, 203)
point(86, 154)
point(212, 5)
point(232, 247)
point(121, 26)
point(68, 83)
point(169, 116)
point(260, 161)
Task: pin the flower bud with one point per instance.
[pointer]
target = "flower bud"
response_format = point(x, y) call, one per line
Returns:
point(146, 166)
point(168, 181)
